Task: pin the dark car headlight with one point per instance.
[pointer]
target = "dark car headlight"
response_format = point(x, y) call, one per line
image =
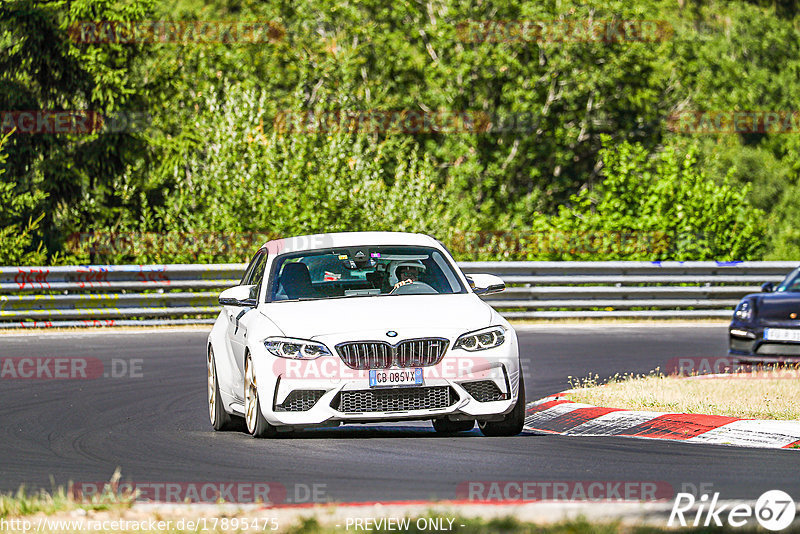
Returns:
point(744, 312)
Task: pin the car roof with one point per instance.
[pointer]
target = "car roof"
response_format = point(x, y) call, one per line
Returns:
point(348, 239)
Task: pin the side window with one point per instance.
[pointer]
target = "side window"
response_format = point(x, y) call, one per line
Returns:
point(258, 260)
point(257, 276)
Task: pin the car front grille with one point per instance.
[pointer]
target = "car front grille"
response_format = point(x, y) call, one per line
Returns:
point(422, 352)
point(484, 390)
point(394, 400)
point(300, 400)
point(366, 354)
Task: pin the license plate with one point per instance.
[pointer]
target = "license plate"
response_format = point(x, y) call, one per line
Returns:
point(379, 378)
point(781, 334)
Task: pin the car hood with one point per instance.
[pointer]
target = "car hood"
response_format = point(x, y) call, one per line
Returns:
point(308, 319)
point(777, 306)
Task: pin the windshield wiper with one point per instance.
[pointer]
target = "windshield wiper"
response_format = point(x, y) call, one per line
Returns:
point(350, 296)
point(305, 299)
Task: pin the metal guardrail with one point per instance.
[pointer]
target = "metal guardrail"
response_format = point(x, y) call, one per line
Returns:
point(122, 295)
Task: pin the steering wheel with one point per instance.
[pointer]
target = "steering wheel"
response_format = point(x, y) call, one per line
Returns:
point(414, 288)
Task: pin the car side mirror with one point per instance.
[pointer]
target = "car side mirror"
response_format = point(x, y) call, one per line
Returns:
point(486, 284)
point(767, 287)
point(237, 296)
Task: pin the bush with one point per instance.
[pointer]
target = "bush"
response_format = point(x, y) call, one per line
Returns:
point(667, 203)
point(238, 181)
point(18, 227)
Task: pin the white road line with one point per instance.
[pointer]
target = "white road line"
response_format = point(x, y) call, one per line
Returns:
point(613, 423)
point(752, 433)
point(531, 420)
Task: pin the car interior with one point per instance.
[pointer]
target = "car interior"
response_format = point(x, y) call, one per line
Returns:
point(345, 273)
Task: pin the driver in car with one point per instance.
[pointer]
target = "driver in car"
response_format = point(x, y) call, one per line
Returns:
point(408, 273)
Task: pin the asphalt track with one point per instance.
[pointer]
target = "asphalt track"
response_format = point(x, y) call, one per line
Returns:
point(154, 427)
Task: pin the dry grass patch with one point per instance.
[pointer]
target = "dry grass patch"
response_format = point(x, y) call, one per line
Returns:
point(24, 503)
point(736, 396)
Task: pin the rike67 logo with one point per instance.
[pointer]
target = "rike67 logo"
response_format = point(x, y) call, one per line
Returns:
point(774, 510)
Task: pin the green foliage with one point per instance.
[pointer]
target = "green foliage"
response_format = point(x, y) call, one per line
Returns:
point(370, 55)
point(250, 181)
point(593, 171)
point(784, 241)
point(42, 68)
point(667, 201)
point(18, 228)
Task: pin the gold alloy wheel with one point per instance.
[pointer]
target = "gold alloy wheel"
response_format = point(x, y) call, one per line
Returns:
point(212, 386)
point(251, 396)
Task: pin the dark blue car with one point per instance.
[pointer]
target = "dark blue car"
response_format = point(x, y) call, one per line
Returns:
point(766, 325)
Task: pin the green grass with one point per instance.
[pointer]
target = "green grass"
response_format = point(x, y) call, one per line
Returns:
point(23, 502)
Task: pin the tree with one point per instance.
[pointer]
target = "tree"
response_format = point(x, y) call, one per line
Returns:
point(77, 176)
point(18, 227)
point(661, 206)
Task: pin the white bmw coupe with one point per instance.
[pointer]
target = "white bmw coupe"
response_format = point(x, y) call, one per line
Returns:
point(362, 327)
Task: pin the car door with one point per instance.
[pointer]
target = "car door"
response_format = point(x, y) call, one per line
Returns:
point(237, 320)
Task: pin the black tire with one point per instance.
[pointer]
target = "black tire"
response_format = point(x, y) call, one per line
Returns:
point(446, 426)
point(257, 426)
point(514, 420)
point(220, 419)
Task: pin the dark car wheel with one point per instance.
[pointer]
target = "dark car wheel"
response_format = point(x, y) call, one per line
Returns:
point(220, 419)
point(514, 420)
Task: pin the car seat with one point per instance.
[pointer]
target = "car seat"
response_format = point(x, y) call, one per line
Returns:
point(296, 281)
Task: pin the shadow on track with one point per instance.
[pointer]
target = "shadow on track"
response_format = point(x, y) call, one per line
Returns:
point(367, 432)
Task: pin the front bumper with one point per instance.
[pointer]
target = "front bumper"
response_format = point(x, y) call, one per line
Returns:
point(479, 385)
point(746, 341)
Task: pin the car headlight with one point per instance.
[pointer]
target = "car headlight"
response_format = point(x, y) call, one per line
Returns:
point(296, 349)
point(488, 338)
point(744, 311)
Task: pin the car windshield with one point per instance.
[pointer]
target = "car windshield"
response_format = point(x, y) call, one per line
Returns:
point(369, 271)
point(791, 284)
